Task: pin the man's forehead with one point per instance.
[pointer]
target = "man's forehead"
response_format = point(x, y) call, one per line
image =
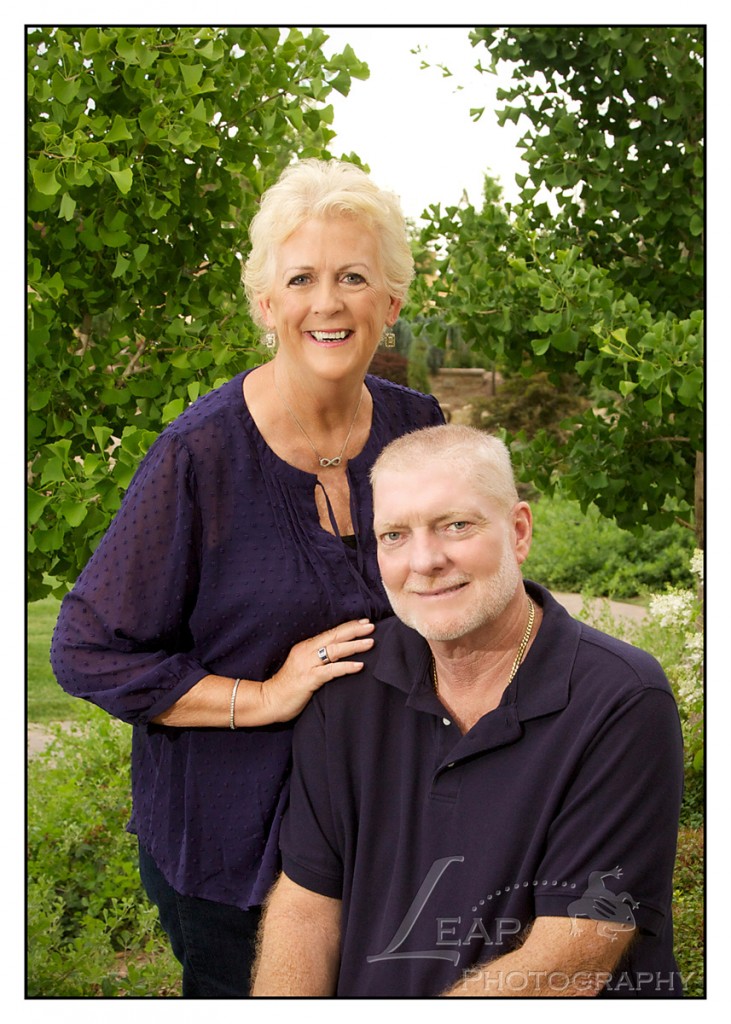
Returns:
point(426, 493)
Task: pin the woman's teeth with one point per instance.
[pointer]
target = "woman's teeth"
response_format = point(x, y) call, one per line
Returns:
point(329, 335)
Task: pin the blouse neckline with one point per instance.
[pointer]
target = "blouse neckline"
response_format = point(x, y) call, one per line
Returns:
point(300, 477)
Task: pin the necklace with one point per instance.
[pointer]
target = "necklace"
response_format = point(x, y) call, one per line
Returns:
point(325, 463)
point(518, 656)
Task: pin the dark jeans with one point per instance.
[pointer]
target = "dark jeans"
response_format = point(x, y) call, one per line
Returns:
point(214, 942)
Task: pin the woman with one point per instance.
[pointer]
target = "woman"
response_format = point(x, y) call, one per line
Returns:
point(240, 574)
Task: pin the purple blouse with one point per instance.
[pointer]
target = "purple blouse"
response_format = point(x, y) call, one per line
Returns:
point(216, 563)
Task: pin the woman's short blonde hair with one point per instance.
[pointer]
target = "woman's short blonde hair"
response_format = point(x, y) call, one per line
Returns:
point(325, 188)
point(472, 454)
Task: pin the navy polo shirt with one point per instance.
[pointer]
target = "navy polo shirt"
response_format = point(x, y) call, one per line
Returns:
point(562, 801)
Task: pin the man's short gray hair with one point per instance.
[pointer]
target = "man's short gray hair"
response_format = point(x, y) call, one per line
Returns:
point(480, 457)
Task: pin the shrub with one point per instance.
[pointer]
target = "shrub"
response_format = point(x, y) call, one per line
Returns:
point(91, 930)
point(688, 916)
point(585, 553)
point(391, 366)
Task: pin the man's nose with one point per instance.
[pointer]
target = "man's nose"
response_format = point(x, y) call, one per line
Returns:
point(426, 555)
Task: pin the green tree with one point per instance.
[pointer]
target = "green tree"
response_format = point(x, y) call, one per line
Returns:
point(609, 287)
point(148, 149)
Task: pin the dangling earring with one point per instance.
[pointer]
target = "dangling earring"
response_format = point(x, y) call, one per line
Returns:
point(270, 340)
point(389, 339)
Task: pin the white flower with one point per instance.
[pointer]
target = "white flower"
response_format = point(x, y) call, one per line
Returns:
point(694, 649)
point(697, 564)
point(673, 608)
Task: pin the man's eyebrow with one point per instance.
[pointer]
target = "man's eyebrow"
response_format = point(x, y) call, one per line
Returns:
point(386, 526)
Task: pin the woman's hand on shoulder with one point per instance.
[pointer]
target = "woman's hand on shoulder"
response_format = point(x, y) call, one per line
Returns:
point(312, 663)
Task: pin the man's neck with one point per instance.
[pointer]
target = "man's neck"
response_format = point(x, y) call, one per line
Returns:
point(472, 673)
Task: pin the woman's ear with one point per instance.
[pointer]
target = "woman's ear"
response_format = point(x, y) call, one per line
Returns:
point(393, 311)
point(265, 309)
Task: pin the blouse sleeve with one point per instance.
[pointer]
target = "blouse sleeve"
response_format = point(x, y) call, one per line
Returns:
point(122, 637)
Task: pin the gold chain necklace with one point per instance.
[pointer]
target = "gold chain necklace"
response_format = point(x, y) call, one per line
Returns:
point(325, 463)
point(518, 656)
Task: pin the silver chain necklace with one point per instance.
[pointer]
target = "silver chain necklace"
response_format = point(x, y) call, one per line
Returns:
point(325, 463)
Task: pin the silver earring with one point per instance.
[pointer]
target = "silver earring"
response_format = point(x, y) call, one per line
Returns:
point(389, 339)
point(270, 340)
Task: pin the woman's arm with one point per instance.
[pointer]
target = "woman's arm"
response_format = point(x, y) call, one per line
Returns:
point(279, 699)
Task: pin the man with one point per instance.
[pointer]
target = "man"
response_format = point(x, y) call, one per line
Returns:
point(490, 808)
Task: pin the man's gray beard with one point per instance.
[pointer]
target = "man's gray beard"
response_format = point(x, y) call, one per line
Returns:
point(493, 603)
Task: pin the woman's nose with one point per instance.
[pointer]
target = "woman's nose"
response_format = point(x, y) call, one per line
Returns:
point(327, 299)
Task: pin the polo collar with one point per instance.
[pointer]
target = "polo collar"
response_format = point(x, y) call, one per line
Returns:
point(541, 686)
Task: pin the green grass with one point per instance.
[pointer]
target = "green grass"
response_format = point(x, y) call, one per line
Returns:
point(47, 702)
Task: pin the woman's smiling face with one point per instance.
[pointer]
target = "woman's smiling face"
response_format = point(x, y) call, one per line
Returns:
point(329, 301)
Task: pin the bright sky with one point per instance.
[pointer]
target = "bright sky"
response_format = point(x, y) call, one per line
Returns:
point(413, 126)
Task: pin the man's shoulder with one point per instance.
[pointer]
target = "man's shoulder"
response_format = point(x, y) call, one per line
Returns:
point(638, 668)
point(387, 674)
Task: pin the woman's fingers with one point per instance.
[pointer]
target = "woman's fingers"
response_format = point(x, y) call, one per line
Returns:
point(344, 640)
point(333, 653)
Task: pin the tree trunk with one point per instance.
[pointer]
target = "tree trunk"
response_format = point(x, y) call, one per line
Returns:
point(700, 501)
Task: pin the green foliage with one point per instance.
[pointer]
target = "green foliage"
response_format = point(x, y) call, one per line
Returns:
point(585, 553)
point(602, 290)
point(419, 365)
point(616, 131)
point(148, 150)
point(688, 911)
point(91, 929)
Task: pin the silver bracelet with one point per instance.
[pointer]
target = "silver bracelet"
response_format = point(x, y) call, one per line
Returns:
point(231, 722)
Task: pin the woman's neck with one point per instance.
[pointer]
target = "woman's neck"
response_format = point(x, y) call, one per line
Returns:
point(322, 406)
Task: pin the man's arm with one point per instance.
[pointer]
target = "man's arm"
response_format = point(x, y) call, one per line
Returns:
point(562, 956)
point(299, 943)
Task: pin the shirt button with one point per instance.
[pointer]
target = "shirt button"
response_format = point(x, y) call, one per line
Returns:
point(446, 721)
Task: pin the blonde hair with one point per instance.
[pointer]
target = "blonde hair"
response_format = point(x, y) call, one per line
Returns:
point(319, 188)
point(480, 457)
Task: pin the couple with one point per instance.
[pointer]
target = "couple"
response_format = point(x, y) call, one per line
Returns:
point(241, 575)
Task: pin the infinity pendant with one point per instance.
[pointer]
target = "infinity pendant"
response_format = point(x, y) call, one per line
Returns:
point(330, 462)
